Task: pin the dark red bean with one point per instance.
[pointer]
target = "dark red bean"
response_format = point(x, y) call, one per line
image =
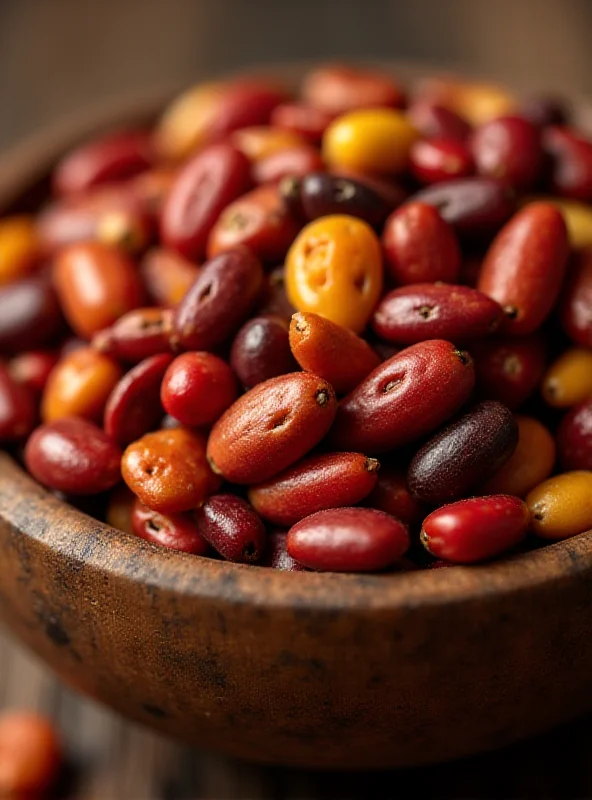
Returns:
point(176, 531)
point(292, 161)
point(33, 367)
point(273, 299)
point(30, 315)
point(198, 388)
point(139, 334)
point(464, 454)
point(307, 121)
point(105, 160)
point(18, 412)
point(509, 369)
point(437, 122)
point(437, 160)
point(574, 438)
point(276, 553)
point(508, 149)
point(391, 192)
point(570, 158)
point(391, 494)
point(473, 206)
point(134, 406)
point(576, 299)
point(261, 350)
point(73, 456)
point(544, 110)
point(219, 300)
point(322, 194)
point(436, 311)
point(348, 540)
point(203, 188)
point(232, 528)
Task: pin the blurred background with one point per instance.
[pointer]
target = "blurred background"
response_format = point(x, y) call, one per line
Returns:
point(60, 56)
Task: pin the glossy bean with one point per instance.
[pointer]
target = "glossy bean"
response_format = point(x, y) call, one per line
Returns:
point(261, 350)
point(524, 267)
point(321, 195)
point(334, 268)
point(576, 298)
point(331, 480)
point(139, 334)
point(133, 407)
point(306, 120)
point(509, 150)
point(419, 246)
point(299, 160)
point(197, 388)
point(531, 462)
point(232, 528)
point(168, 470)
point(475, 530)
point(218, 302)
point(348, 540)
point(19, 248)
point(276, 553)
point(73, 456)
point(205, 185)
point(30, 755)
point(32, 368)
point(30, 315)
point(438, 122)
point(574, 438)
point(258, 220)
point(79, 386)
point(404, 398)
point(509, 369)
point(167, 276)
point(18, 412)
point(561, 506)
point(435, 311)
point(460, 456)
point(391, 494)
point(570, 155)
point(331, 351)
point(436, 160)
point(568, 380)
point(95, 284)
point(271, 427)
point(337, 88)
point(175, 531)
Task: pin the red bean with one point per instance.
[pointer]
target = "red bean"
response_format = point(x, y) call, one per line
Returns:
point(437, 122)
point(134, 407)
point(176, 531)
point(391, 494)
point(73, 456)
point(307, 121)
point(574, 438)
point(291, 161)
point(464, 454)
point(271, 427)
point(436, 160)
point(202, 190)
point(508, 149)
point(509, 369)
point(476, 529)
point(219, 300)
point(276, 553)
point(18, 412)
point(544, 110)
point(167, 276)
point(576, 299)
point(261, 350)
point(32, 368)
point(273, 298)
point(232, 528)
point(435, 311)
point(473, 206)
point(139, 334)
point(110, 158)
point(330, 480)
point(348, 540)
point(404, 398)
point(338, 88)
point(571, 163)
point(198, 388)
point(30, 315)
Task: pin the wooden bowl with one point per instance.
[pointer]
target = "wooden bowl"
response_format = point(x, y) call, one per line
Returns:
point(323, 670)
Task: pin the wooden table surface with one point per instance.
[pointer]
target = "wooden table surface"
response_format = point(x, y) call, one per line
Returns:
point(59, 55)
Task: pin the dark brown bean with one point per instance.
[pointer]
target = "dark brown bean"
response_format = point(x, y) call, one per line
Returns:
point(261, 350)
point(232, 528)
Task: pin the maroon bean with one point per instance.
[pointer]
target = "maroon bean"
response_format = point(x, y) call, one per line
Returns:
point(134, 406)
point(576, 299)
point(176, 531)
point(232, 528)
point(198, 388)
point(473, 206)
point(508, 149)
point(219, 300)
point(203, 188)
point(436, 311)
point(18, 412)
point(33, 367)
point(261, 350)
point(544, 110)
point(391, 192)
point(348, 540)
point(105, 160)
point(322, 194)
point(438, 122)
point(308, 121)
point(73, 456)
point(570, 158)
point(574, 438)
point(139, 334)
point(30, 315)
point(464, 454)
point(292, 161)
point(509, 369)
point(276, 553)
point(437, 160)
point(273, 298)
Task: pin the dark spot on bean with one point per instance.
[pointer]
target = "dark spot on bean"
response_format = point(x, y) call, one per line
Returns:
point(322, 397)
point(154, 711)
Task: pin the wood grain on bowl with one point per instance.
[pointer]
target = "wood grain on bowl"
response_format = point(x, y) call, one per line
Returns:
point(297, 668)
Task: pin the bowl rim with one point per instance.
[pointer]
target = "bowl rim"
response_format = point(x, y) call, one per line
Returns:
point(101, 547)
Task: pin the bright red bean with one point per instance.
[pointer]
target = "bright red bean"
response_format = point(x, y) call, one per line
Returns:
point(198, 388)
point(348, 540)
point(476, 529)
point(176, 531)
point(436, 160)
point(232, 528)
point(73, 456)
point(508, 149)
point(261, 350)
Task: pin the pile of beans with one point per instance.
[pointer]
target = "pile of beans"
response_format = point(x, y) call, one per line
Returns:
point(349, 330)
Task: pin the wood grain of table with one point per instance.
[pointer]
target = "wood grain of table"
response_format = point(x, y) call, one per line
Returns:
point(59, 55)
